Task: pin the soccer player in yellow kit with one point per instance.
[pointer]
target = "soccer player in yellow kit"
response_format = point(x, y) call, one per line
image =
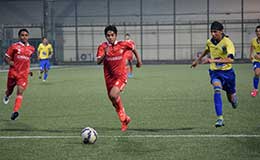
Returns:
point(45, 51)
point(255, 58)
point(221, 51)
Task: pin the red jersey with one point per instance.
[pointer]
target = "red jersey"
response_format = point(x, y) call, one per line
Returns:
point(20, 54)
point(114, 61)
point(129, 53)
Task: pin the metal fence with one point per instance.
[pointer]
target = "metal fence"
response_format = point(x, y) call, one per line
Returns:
point(164, 30)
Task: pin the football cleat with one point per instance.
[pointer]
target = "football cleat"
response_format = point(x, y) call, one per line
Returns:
point(125, 123)
point(130, 75)
point(6, 100)
point(14, 115)
point(254, 92)
point(219, 123)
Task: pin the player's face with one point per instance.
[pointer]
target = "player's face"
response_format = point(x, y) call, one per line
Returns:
point(216, 34)
point(257, 32)
point(45, 41)
point(24, 36)
point(127, 37)
point(111, 37)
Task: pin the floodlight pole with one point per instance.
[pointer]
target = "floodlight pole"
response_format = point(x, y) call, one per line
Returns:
point(141, 28)
point(242, 29)
point(76, 30)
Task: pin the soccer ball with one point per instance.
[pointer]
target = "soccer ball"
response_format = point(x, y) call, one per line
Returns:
point(89, 135)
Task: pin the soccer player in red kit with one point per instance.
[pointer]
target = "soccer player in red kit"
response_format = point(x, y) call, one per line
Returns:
point(18, 57)
point(129, 57)
point(112, 55)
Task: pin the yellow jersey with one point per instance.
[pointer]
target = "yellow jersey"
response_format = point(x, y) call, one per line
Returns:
point(256, 48)
point(44, 51)
point(220, 50)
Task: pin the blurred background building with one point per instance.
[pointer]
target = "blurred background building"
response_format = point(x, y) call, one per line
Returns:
point(164, 30)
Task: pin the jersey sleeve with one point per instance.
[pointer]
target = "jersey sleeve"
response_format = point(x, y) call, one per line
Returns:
point(33, 50)
point(253, 43)
point(39, 47)
point(10, 52)
point(207, 46)
point(230, 48)
point(100, 51)
point(130, 45)
point(51, 48)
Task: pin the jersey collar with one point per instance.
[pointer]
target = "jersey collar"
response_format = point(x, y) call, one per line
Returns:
point(21, 43)
point(109, 44)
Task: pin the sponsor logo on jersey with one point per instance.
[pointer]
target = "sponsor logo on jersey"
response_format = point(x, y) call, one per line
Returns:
point(114, 58)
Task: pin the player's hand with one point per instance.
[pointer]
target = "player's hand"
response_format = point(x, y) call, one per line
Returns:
point(31, 73)
point(138, 64)
point(11, 63)
point(194, 64)
point(257, 56)
point(251, 58)
point(206, 61)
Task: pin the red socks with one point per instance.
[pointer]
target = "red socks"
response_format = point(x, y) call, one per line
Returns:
point(120, 110)
point(18, 103)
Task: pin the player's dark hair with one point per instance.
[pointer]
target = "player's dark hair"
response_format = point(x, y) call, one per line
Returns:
point(110, 28)
point(127, 34)
point(216, 26)
point(43, 38)
point(257, 28)
point(22, 30)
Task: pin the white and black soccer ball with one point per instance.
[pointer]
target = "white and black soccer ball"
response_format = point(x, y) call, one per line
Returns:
point(89, 135)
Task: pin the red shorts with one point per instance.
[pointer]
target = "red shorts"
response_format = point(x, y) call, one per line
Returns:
point(16, 79)
point(120, 83)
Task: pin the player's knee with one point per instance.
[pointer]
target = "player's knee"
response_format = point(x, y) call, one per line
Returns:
point(113, 96)
point(217, 89)
point(257, 74)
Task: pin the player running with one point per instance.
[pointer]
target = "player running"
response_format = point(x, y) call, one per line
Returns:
point(18, 58)
point(129, 57)
point(222, 75)
point(255, 58)
point(112, 55)
point(45, 51)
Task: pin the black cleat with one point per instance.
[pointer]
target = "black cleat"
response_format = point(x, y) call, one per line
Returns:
point(14, 115)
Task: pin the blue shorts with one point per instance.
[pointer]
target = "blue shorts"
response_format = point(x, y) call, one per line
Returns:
point(227, 79)
point(45, 64)
point(256, 65)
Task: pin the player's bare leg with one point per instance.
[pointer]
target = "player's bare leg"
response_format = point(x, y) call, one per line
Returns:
point(232, 98)
point(10, 88)
point(130, 72)
point(40, 74)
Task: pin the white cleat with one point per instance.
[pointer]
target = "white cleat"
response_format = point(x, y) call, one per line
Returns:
point(6, 100)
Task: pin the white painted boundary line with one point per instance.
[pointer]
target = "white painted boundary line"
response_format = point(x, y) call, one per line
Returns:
point(137, 136)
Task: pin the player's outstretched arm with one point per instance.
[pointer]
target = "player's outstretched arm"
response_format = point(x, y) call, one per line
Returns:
point(138, 59)
point(196, 62)
point(100, 59)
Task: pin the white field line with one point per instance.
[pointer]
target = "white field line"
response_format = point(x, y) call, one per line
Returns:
point(137, 136)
